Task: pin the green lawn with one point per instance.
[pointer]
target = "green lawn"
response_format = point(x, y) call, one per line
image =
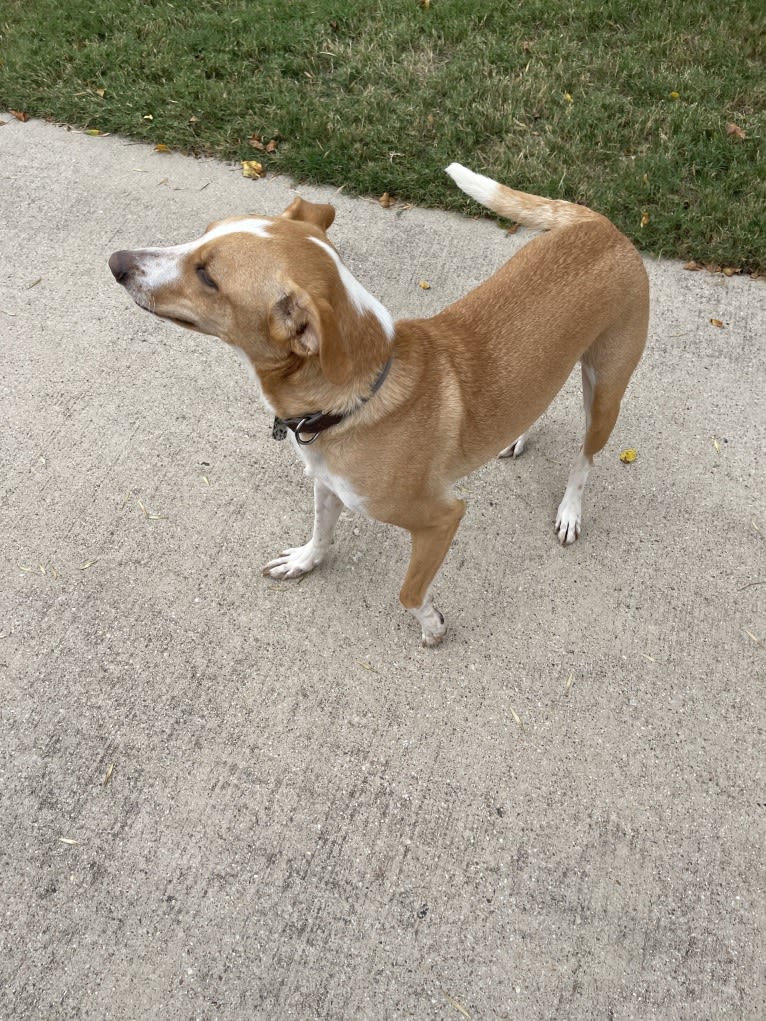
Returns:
point(620, 105)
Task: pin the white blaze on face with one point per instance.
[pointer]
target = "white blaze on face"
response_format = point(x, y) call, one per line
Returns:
point(162, 266)
point(360, 298)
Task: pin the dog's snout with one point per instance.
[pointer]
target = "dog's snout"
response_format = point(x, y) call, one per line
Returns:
point(122, 265)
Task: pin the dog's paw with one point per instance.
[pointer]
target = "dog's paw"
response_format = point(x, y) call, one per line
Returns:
point(568, 521)
point(431, 621)
point(292, 563)
point(433, 636)
point(516, 449)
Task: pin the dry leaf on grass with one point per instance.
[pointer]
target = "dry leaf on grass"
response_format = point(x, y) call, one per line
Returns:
point(735, 132)
point(252, 169)
point(20, 115)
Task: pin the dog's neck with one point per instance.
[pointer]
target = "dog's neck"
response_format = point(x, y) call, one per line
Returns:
point(296, 384)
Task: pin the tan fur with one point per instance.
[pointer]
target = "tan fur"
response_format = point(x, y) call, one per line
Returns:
point(462, 385)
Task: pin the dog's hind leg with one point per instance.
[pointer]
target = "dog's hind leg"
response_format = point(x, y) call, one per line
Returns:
point(606, 370)
point(292, 563)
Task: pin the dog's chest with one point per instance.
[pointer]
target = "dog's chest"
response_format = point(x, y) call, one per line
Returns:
point(316, 468)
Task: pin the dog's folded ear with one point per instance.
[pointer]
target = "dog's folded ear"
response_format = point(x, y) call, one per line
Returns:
point(321, 215)
point(309, 327)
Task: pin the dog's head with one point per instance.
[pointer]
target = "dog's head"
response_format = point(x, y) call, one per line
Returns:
point(273, 286)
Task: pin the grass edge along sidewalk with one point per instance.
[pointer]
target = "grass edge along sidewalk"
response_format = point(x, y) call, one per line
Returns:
point(655, 115)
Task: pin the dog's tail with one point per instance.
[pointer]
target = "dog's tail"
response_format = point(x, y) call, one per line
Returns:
point(528, 210)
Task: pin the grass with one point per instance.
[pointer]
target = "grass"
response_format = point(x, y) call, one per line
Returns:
point(620, 105)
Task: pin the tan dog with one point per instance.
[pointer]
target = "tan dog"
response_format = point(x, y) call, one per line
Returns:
point(387, 417)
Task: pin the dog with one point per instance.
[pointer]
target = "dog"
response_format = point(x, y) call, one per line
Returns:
point(387, 416)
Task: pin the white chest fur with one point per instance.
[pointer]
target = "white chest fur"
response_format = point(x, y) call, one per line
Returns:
point(316, 468)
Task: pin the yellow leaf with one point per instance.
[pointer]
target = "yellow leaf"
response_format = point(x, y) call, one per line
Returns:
point(100, 92)
point(674, 95)
point(644, 218)
point(93, 131)
point(717, 323)
point(568, 97)
point(148, 117)
point(628, 456)
point(424, 284)
point(385, 200)
point(252, 169)
point(161, 147)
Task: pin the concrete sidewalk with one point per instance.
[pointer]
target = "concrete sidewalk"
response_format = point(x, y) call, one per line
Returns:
point(225, 797)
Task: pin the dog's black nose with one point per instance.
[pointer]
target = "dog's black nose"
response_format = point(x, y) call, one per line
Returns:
point(122, 265)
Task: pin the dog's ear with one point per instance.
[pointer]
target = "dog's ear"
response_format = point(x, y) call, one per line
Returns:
point(321, 215)
point(309, 327)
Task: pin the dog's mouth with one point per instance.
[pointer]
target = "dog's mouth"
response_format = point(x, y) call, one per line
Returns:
point(185, 324)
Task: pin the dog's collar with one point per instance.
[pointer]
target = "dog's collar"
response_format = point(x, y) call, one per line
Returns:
point(316, 422)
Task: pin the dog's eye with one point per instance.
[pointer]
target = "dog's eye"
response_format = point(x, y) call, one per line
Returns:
point(206, 279)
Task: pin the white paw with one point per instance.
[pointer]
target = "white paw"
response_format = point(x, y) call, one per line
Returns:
point(292, 563)
point(434, 635)
point(568, 521)
point(431, 622)
point(516, 449)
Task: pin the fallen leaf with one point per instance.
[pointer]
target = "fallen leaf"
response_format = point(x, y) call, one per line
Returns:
point(161, 147)
point(512, 229)
point(693, 266)
point(94, 132)
point(733, 130)
point(193, 119)
point(628, 456)
point(717, 323)
point(385, 200)
point(568, 97)
point(20, 115)
point(271, 145)
point(716, 446)
point(644, 218)
point(424, 284)
point(675, 95)
point(731, 271)
point(101, 92)
point(148, 117)
point(425, 4)
point(255, 142)
point(252, 169)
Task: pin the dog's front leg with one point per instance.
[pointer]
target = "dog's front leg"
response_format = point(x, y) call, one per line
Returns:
point(291, 563)
point(429, 548)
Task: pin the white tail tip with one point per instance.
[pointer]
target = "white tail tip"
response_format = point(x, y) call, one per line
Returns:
point(479, 187)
